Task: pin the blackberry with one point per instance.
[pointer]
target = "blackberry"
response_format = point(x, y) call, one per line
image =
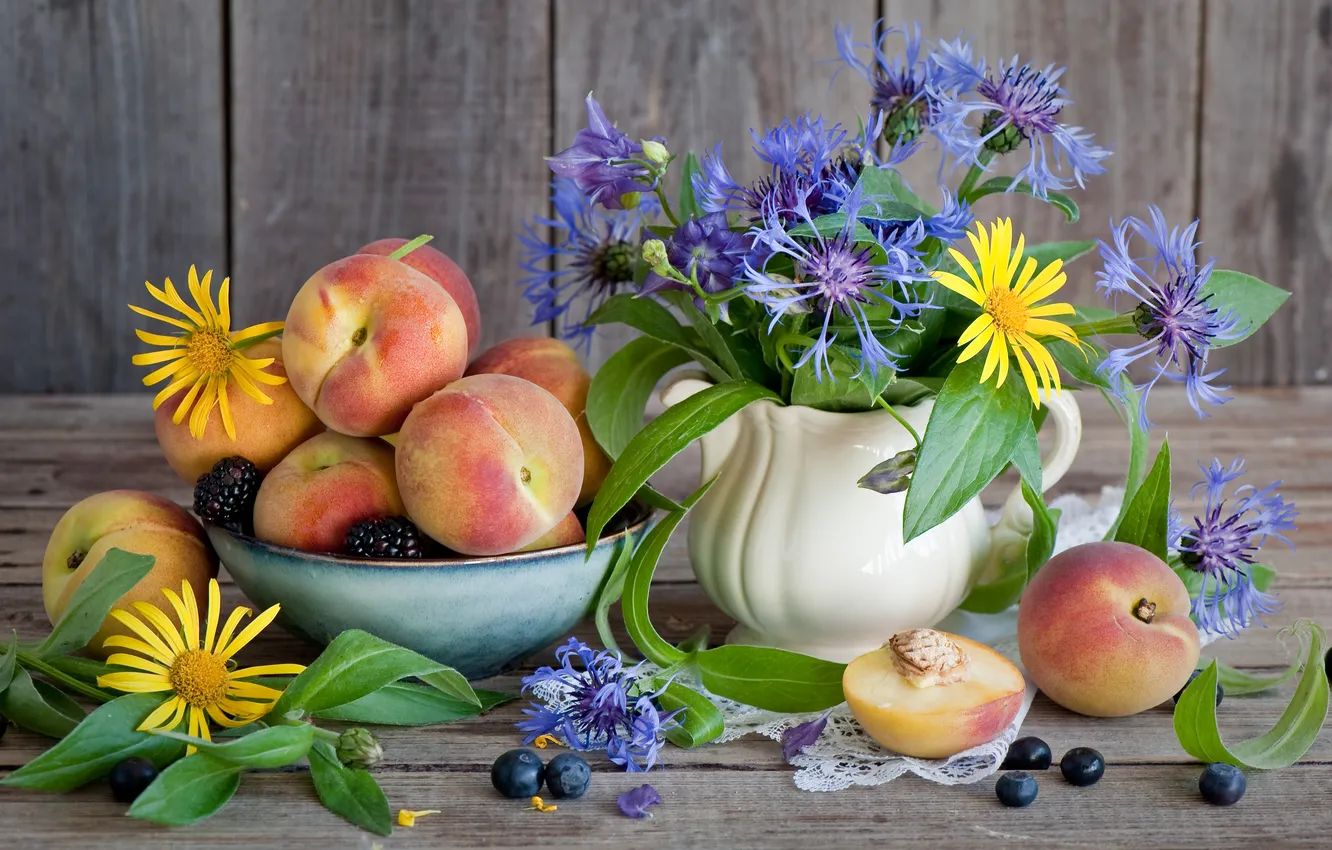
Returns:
point(225, 494)
point(387, 537)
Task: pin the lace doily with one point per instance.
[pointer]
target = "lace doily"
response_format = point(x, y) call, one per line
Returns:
point(844, 755)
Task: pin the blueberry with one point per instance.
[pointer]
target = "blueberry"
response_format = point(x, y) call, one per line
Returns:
point(518, 773)
point(131, 777)
point(1221, 784)
point(1082, 766)
point(1220, 692)
point(1017, 789)
point(1027, 754)
point(567, 776)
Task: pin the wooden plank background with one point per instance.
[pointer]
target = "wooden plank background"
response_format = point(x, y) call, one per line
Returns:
point(265, 138)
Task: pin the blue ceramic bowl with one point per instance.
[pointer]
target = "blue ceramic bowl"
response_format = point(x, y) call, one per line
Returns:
point(480, 616)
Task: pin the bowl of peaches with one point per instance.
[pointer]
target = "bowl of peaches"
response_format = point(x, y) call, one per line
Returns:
point(401, 483)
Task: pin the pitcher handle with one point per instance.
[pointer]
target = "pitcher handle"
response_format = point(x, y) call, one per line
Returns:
point(716, 445)
point(1008, 538)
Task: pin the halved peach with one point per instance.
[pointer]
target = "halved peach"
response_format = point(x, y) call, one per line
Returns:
point(930, 694)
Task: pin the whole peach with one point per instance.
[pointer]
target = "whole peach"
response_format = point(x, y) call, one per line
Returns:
point(553, 366)
point(566, 533)
point(1104, 630)
point(366, 338)
point(134, 521)
point(489, 464)
point(437, 266)
point(324, 487)
point(264, 432)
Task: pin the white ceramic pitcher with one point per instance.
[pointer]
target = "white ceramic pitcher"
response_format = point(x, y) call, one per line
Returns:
point(802, 558)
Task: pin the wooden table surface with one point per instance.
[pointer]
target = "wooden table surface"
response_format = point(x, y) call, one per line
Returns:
point(55, 450)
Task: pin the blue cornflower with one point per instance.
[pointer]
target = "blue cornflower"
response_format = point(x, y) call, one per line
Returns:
point(835, 278)
point(604, 162)
point(594, 255)
point(1178, 321)
point(593, 702)
point(1222, 542)
point(804, 160)
point(706, 247)
point(1016, 103)
point(899, 83)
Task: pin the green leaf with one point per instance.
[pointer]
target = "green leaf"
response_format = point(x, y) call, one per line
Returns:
point(611, 591)
point(652, 318)
point(1148, 515)
point(688, 203)
point(833, 223)
point(350, 793)
point(406, 704)
point(1238, 683)
point(664, 438)
point(1283, 744)
point(999, 185)
point(771, 679)
point(707, 331)
point(1026, 456)
point(357, 663)
point(888, 183)
point(1005, 591)
point(111, 579)
point(85, 669)
point(841, 389)
point(1045, 528)
point(188, 791)
point(100, 742)
point(265, 749)
point(9, 661)
point(967, 442)
point(39, 707)
point(1252, 300)
point(700, 722)
point(638, 581)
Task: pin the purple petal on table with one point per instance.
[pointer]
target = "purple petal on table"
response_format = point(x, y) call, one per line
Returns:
point(796, 738)
point(634, 803)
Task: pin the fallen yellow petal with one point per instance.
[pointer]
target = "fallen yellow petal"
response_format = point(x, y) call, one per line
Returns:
point(540, 805)
point(407, 817)
point(543, 741)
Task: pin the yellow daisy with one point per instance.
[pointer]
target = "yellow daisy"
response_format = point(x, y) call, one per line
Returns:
point(200, 675)
point(1010, 317)
point(205, 356)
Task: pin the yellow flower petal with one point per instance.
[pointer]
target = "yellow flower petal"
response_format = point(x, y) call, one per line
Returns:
point(185, 326)
point(407, 817)
point(165, 716)
point(124, 659)
point(179, 341)
point(1048, 327)
point(256, 330)
point(190, 619)
point(255, 369)
point(997, 354)
point(173, 299)
point(224, 306)
point(1046, 283)
point(224, 407)
point(149, 358)
point(199, 383)
point(1025, 278)
point(977, 344)
point(169, 631)
point(1000, 252)
point(216, 714)
point(204, 409)
point(268, 670)
point(983, 321)
point(251, 631)
point(960, 286)
point(1059, 308)
point(252, 690)
point(134, 683)
point(127, 642)
point(214, 613)
point(165, 372)
point(543, 741)
point(541, 806)
point(233, 621)
point(163, 651)
point(247, 386)
point(1027, 376)
point(199, 289)
point(966, 266)
point(182, 614)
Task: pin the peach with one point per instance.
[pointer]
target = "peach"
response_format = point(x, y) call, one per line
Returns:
point(489, 464)
point(566, 533)
point(264, 432)
point(1104, 630)
point(324, 487)
point(436, 265)
point(931, 694)
point(366, 338)
point(137, 522)
point(553, 366)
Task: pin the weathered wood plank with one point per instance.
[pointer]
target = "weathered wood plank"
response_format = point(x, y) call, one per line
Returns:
point(354, 121)
point(1133, 77)
point(698, 73)
point(1266, 191)
point(111, 159)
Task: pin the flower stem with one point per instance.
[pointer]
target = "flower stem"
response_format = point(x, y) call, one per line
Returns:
point(905, 424)
point(82, 688)
point(1121, 324)
point(969, 182)
point(666, 205)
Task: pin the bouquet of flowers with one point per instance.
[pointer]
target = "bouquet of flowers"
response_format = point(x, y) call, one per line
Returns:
point(830, 282)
